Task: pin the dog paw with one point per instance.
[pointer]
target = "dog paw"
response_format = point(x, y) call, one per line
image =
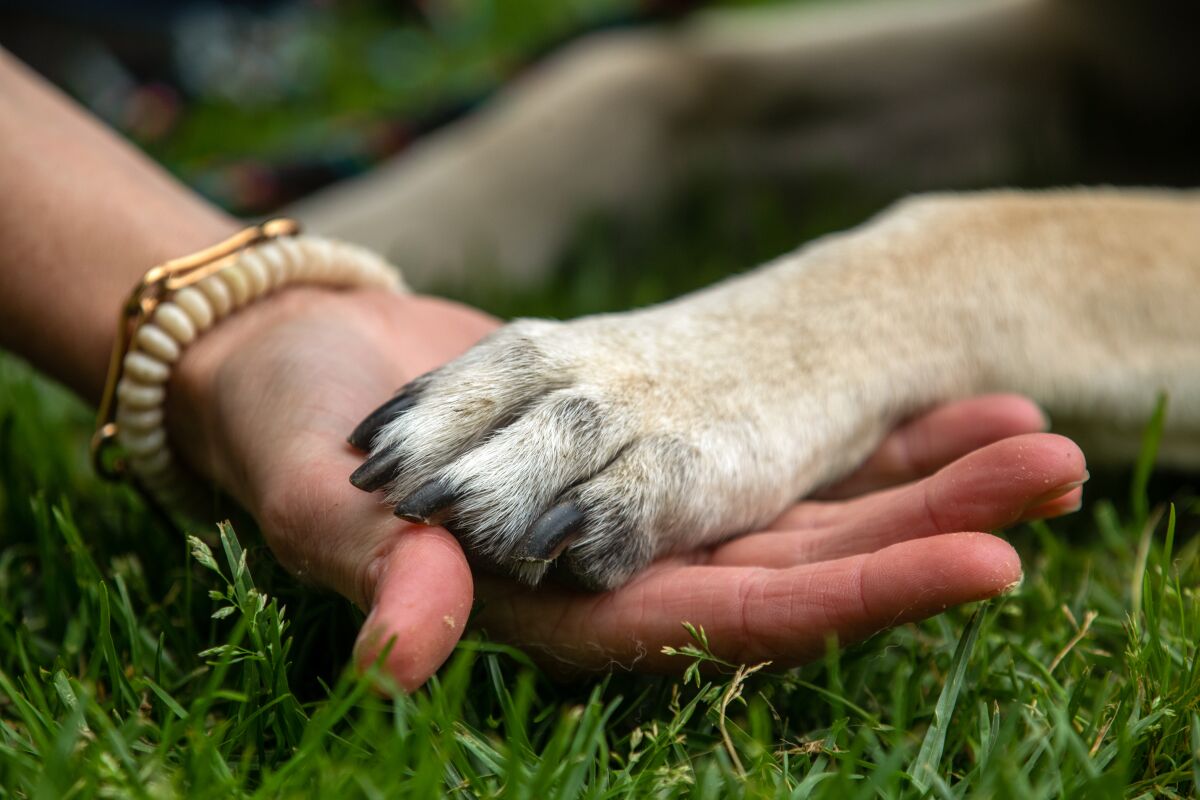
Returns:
point(597, 445)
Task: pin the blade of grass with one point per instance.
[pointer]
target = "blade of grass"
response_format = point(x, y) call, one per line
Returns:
point(924, 770)
point(1139, 501)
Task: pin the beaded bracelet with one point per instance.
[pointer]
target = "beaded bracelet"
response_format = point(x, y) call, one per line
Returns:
point(177, 301)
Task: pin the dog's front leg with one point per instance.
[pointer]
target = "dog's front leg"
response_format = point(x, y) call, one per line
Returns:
point(616, 438)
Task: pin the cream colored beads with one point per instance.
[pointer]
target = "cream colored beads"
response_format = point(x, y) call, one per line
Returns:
point(216, 292)
point(188, 313)
point(176, 322)
point(155, 342)
point(196, 307)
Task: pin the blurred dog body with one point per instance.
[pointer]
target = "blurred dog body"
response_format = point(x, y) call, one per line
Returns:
point(900, 96)
point(610, 440)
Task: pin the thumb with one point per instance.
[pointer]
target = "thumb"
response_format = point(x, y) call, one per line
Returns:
point(421, 602)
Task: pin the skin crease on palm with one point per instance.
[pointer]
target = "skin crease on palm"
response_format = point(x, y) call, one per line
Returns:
point(276, 389)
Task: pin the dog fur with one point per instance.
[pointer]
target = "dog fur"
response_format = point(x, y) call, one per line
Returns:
point(607, 441)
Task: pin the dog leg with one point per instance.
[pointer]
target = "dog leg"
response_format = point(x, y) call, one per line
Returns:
point(612, 439)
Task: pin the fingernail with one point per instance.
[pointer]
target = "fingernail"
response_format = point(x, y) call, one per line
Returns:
point(375, 472)
point(550, 534)
point(366, 430)
point(1014, 586)
point(428, 505)
point(1058, 492)
point(1078, 504)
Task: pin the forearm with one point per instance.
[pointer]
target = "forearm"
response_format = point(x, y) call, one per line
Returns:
point(82, 216)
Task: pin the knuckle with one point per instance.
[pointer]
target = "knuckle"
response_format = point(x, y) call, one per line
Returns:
point(510, 351)
point(580, 415)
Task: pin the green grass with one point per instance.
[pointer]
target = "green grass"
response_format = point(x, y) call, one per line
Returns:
point(134, 663)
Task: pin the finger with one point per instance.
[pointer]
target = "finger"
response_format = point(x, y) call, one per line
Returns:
point(930, 441)
point(413, 580)
point(421, 604)
point(990, 488)
point(752, 614)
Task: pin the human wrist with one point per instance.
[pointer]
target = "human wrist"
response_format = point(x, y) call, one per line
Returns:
point(177, 303)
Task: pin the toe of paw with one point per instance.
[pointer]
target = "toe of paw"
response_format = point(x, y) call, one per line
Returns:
point(605, 562)
point(595, 548)
point(515, 350)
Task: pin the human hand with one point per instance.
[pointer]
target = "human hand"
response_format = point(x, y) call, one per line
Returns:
point(262, 404)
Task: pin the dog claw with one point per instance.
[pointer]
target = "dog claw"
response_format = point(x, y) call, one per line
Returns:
point(551, 533)
point(375, 472)
point(429, 504)
point(365, 431)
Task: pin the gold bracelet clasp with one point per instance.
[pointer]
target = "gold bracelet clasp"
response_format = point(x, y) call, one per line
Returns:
point(156, 286)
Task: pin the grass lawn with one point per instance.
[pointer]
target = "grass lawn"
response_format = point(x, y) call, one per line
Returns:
point(135, 663)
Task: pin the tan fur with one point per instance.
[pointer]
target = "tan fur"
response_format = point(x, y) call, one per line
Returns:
point(680, 424)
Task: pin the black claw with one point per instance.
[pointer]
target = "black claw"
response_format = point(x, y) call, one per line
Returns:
point(366, 430)
point(551, 533)
point(428, 505)
point(375, 472)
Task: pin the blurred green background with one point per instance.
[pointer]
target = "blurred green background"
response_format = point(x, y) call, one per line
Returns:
point(258, 104)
